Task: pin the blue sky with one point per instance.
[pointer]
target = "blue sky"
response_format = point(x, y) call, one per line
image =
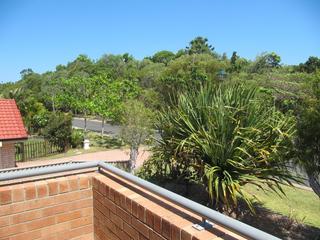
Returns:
point(42, 34)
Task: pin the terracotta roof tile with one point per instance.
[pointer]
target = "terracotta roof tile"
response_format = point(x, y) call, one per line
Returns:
point(11, 124)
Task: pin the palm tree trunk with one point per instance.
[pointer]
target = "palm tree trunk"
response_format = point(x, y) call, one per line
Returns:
point(314, 182)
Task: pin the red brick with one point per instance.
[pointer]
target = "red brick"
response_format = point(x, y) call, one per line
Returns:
point(166, 229)
point(25, 216)
point(155, 236)
point(83, 182)
point(30, 191)
point(128, 205)
point(102, 188)
point(42, 189)
point(116, 219)
point(64, 217)
point(149, 218)
point(141, 213)
point(53, 187)
point(73, 183)
point(17, 194)
point(5, 195)
point(175, 232)
point(111, 194)
point(131, 231)
point(117, 198)
point(185, 235)
point(140, 227)
point(27, 236)
point(40, 223)
point(157, 223)
point(63, 186)
point(123, 235)
point(4, 221)
point(134, 206)
point(81, 222)
point(124, 215)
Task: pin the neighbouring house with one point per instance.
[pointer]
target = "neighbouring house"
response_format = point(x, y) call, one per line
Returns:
point(12, 130)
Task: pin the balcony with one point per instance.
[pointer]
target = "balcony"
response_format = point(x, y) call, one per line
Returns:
point(94, 200)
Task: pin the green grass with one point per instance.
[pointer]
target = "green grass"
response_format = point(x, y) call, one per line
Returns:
point(302, 205)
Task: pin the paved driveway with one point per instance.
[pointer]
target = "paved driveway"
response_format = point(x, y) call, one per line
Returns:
point(109, 155)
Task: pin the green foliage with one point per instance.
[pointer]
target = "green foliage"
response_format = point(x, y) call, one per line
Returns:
point(310, 66)
point(308, 132)
point(163, 57)
point(58, 130)
point(223, 137)
point(137, 123)
point(76, 138)
point(189, 72)
point(199, 45)
point(265, 61)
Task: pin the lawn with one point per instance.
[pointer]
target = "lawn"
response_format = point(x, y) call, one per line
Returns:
point(301, 205)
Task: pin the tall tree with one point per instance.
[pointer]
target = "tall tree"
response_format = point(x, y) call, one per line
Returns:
point(199, 45)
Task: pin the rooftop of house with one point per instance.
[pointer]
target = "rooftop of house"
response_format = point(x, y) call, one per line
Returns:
point(94, 200)
point(11, 124)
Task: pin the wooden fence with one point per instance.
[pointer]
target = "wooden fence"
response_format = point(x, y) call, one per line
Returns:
point(34, 149)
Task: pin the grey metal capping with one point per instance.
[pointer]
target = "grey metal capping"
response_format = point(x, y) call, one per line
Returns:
point(205, 212)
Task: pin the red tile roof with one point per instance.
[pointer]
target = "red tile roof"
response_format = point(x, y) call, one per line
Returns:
point(11, 124)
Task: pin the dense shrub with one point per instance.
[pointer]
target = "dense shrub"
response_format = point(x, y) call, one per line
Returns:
point(58, 130)
point(76, 138)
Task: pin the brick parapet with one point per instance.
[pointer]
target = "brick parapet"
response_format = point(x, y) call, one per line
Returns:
point(125, 211)
point(58, 208)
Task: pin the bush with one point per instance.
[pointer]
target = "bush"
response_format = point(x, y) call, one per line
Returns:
point(223, 138)
point(58, 130)
point(76, 138)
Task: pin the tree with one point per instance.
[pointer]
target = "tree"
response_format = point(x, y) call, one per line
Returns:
point(137, 122)
point(110, 96)
point(308, 135)
point(234, 58)
point(266, 61)
point(311, 65)
point(58, 130)
point(163, 57)
point(78, 94)
point(199, 45)
point(224, 138)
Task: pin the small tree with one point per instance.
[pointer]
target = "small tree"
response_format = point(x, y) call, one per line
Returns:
point(58, 130)
point(137, 124)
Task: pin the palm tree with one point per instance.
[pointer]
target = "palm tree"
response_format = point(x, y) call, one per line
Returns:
point(224, 137)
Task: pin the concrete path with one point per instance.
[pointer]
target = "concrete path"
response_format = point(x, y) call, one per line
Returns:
point(109, 155)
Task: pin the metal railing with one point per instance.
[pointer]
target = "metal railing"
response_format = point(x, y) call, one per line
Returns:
point(205, 212)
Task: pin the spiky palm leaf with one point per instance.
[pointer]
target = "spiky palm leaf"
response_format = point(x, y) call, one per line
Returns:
point(225, 137)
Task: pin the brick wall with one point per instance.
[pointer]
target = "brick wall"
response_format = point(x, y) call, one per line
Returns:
point(59, 208)
point(125, 211)
point(7, 155)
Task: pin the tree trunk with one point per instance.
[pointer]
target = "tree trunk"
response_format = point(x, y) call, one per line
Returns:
point(85, 125)
point(53, 107)
point(133, 158)
point(314, 182)
point(102, 127)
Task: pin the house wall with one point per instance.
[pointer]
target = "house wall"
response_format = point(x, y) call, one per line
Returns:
point(7, 155)
point(58, 208)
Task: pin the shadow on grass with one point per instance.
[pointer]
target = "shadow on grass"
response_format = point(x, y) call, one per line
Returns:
point(266, 220)
point(277, 224)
